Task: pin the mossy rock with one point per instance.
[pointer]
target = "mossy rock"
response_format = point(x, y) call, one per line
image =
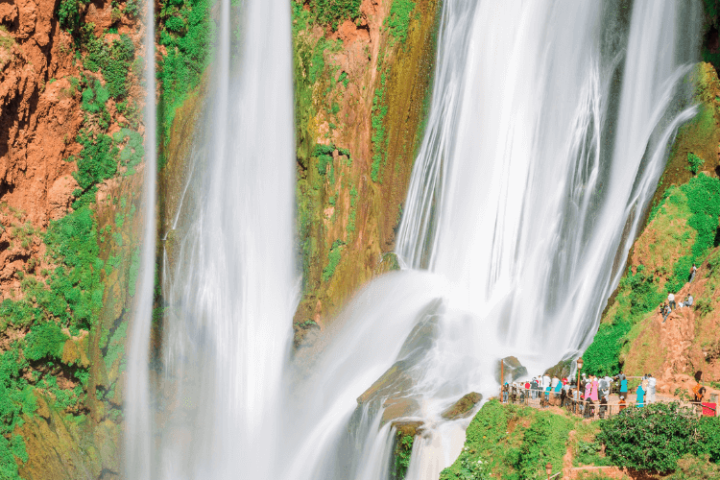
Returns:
point(463, 407)
point(512, 371)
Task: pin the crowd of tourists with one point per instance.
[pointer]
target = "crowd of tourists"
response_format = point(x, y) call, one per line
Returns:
point(593, 392)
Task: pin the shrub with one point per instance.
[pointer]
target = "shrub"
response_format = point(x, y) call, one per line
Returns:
point(69, 15)
point(94, 96)
point(333, 12)
point(44, 341)
point(651, 438)
point(708, 438)
point(695, 163)
point(97, 161)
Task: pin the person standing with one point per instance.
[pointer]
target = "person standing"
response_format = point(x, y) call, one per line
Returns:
point(505, 389)
point(693, 271)
point(557, 392)
point(671, 301)
point(594, 389)
point(609, 382)
point(640, 396)
point(588, 389)
point(527, 391)
point(623, 385)
point(652, 383)
point(603, 407)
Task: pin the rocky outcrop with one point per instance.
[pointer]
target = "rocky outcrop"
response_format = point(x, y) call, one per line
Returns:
point(358, 126)
point(512, 369)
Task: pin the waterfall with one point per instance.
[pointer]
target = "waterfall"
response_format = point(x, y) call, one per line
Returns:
point(548, 132)
point(231, 288)
point(549, 129)
point(138, 419)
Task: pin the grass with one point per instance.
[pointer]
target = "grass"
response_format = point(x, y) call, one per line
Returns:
point(511, 442)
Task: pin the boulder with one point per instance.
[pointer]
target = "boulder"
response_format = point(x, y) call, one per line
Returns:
point(463, 407)
point(512, 371)
point(561, 370)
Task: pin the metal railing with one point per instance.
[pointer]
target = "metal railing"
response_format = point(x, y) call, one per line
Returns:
point(587, 409)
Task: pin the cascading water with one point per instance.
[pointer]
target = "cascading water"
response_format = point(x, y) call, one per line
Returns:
point(137, 404)
point(549, 129)
point(231, 289)
point(548, 133)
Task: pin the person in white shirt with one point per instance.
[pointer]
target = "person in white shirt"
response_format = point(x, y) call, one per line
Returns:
point(652, 383)
point(671, 301)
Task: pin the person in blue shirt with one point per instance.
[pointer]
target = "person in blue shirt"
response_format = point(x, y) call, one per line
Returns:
point(640, 396)
point(623, 386)
point(558, 389)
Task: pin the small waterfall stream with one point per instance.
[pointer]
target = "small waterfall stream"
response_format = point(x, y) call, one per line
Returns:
point(548, 132)
point(138, 419)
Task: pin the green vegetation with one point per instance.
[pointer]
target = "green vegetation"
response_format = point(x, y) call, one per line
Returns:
point(353, 210)
point(333, 260)
point(334, 12)
point(403, 450)
point(69, 14)
point(398, 21)
point(657, 436)
point(379, 139)
point(185, 30)
point(637, 296)
point(397, 25)
point(115, 61)
point(694, 163)
point(511, 442)
point(640, 293)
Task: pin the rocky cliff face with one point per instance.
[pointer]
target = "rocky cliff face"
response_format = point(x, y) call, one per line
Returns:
point(70, 145)
point(362, 88)
point(38, 124)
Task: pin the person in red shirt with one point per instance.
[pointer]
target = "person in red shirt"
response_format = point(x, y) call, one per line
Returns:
point(527, 391)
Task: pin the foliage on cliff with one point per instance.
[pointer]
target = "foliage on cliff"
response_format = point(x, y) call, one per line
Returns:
point(362, 78)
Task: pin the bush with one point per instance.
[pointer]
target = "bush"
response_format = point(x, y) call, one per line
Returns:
point(651, 438)
point(97, 161)
point(44, 341)
point(708, 438)
point(333, 12)
point(69, 15)
point(94, 96)
point(695, 163)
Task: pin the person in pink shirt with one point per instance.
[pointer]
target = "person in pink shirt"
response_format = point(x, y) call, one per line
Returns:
point(594, 391)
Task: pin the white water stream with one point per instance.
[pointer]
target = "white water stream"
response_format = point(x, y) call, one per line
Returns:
point(548, 133)
point(138, 419)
